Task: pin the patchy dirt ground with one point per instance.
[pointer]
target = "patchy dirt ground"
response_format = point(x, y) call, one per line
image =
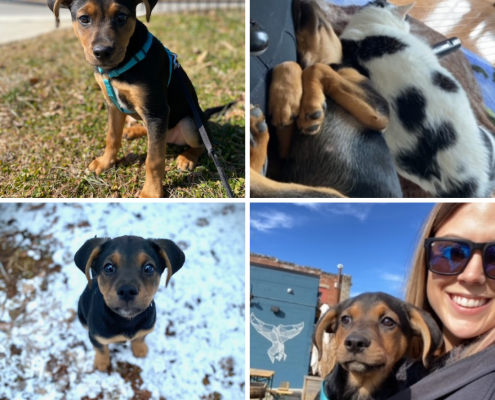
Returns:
point(197, 348)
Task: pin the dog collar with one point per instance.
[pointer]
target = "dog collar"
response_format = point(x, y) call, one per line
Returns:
point(131, 63)
point(323, 396)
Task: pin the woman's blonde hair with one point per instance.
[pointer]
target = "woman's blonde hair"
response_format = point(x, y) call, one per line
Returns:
point(416, 284)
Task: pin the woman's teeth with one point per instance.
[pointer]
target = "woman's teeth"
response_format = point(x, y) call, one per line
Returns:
point(469, 303)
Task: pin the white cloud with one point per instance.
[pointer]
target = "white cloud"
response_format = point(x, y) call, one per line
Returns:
point(359, 211)
point(393, 277)
point(268, 220)
point(311, 206)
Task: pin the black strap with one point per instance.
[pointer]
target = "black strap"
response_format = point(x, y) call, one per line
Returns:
point(204, 135)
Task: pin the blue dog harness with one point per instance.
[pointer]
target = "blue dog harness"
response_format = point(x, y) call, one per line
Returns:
point(322, 393)
point(131, 63)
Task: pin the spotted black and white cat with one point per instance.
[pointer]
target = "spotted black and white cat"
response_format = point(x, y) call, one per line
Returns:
point(433, 134)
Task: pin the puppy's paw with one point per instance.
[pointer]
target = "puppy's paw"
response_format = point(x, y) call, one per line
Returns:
point(102, 361)
point(259, 139)
point(151, 190)
point(285, 112)
point(285, 94)
point(312, 113)
point(134, 132)
point(186, 161)
point(258, 126)
point(101, 164)
point(139, 348)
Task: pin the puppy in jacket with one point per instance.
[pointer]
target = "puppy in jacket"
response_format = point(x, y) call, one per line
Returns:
point(117, 304)
point(375, 334)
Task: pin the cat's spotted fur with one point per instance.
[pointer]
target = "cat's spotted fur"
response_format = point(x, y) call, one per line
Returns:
point(433, 134)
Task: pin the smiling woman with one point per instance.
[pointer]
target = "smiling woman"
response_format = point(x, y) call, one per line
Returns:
point(452, 278)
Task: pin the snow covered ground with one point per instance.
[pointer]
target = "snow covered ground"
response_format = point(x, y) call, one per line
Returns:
point(197, 348)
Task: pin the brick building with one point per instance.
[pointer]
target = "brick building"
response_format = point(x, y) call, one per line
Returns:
point(328, 281)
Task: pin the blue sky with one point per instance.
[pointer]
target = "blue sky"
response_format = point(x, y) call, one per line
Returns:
point(375, 242)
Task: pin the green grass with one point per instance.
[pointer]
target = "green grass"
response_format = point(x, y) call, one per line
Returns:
point(53, 117)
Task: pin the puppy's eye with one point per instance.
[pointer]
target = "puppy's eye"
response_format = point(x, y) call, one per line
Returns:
point(109, 268)
point(345, 320)
point(388, 322)
point(149, 269)
point(122, 17)
point(84, 19)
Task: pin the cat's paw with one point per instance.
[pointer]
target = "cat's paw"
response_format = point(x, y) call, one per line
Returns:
point(312, 114)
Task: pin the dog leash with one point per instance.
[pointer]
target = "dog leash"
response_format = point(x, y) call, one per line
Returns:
point(172, 57)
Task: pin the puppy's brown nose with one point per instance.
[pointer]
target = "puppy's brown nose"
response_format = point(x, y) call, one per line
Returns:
point(356, 343)
point(103, 53)
point(127, 292)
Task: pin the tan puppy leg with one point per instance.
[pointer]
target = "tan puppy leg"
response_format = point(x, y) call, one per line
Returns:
point(155, 167)
point(283, 102)
point(262, 186)
point(116, 121)
point(259, 144)
point(343, 87)
point(139, 348)
point(188, 160)
point(285, 93)
point(102, 359)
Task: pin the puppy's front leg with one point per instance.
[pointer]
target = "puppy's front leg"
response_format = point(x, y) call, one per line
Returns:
point(259, 139)
point(347, 88)
point(116, 121)
point(155, 160)
point(102, 358)
point(139, 348)
point(284, 100)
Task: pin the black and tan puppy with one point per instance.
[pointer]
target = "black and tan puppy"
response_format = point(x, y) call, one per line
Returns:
point(111, 37)
point(374, 334)
point(117, 304)
point(337, 148)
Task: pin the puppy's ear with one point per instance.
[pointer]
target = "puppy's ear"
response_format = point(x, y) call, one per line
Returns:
point(424, 326)
point(306, 16)
point(174, 257)
point(149, 5)
point(86, 255)
point(316, 39)
point(327, 323)
point(55, 5)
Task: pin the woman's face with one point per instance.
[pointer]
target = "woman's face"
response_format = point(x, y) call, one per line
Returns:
point(448, 294)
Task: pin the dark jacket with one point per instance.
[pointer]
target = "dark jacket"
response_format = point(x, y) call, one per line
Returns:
point(472, 378)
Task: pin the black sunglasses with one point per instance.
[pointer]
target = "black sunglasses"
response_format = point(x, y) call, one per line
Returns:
point(449, 256)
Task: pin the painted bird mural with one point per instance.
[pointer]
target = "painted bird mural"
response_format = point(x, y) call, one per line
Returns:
point(278, 335)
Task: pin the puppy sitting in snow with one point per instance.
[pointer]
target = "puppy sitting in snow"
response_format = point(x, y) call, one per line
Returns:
point(117, 304)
